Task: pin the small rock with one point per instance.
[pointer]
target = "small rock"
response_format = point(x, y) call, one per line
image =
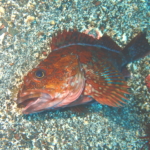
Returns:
point(52, 22)
point(1, 26)
point(29, 19)
point(1, 38)
point(17, 137)
point(2, 11)
point(96, 3)
point(36, 55)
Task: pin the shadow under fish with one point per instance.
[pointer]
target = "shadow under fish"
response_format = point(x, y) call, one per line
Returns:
point(80, 69)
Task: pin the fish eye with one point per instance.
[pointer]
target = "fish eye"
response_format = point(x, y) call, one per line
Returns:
point(39, 73)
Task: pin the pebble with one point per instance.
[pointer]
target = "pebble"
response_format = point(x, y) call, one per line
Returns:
point(36, 55)
point(2, 11)
point(52, 22)
point(2, 38)
point(29, 19)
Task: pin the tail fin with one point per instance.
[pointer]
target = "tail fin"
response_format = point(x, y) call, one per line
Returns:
point(137, 48)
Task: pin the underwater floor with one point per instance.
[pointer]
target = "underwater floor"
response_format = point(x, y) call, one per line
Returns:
point(26, 27)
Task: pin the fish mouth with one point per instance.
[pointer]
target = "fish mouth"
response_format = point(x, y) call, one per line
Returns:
point(30, 102)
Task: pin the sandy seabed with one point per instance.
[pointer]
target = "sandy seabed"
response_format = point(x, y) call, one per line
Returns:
point(26, 27)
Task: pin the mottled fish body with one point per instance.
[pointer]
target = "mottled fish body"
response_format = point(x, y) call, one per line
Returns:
point(80, 69)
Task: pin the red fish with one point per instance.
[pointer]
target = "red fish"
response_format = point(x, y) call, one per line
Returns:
point(80, 69)
point(147, 81)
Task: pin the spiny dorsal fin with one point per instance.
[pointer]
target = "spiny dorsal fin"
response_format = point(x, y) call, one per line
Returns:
point(107, 41)
point(65, 38)
point(69, 37)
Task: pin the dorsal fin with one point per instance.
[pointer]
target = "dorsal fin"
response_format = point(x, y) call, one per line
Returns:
point(67, 38)
point(107, 41)
point(70, 37)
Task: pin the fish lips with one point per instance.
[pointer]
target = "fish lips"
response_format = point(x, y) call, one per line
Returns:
point(32, 102)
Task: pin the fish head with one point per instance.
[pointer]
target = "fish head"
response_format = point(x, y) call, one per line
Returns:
point(51, 85)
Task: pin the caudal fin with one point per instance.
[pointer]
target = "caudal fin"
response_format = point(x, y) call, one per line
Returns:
point(137, 48)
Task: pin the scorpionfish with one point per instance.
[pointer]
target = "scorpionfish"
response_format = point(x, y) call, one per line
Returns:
point(80, 69)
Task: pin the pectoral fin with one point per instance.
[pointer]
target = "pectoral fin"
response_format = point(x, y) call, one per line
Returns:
point(107, 86)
